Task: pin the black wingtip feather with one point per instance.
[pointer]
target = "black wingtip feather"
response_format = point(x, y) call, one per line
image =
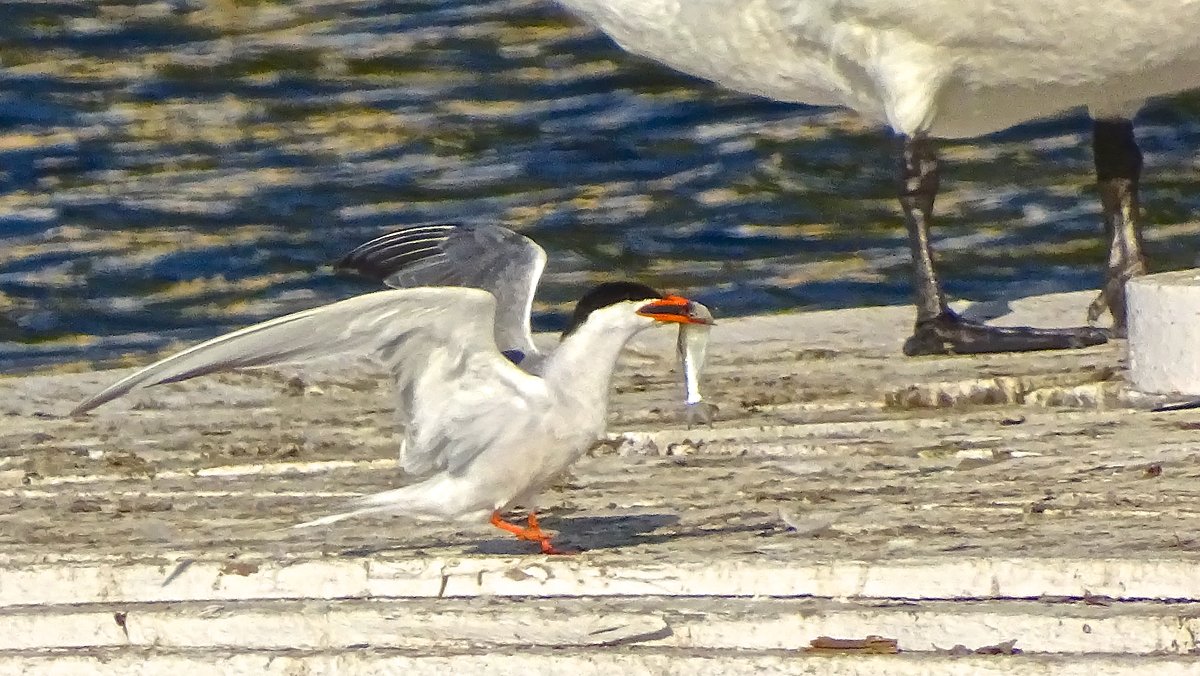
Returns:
point(387, 254)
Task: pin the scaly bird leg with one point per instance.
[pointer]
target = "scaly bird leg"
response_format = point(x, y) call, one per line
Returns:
point(533, 533)
point(1118, 171)
point(938, 329)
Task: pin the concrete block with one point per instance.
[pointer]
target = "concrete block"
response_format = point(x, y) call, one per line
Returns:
point(1164, 332)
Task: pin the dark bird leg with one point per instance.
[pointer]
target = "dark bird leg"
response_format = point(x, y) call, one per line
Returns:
point(1118, 169)
point(939, 330)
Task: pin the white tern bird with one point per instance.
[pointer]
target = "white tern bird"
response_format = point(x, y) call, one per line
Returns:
point(485, 434)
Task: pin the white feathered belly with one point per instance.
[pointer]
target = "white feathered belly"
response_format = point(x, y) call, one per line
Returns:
point(519, 463)
point(951, 68)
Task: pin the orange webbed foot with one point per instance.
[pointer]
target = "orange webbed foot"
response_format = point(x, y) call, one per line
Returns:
point(532, 533)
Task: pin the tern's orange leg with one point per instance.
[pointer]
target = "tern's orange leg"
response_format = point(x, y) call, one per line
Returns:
point(533, 533)
point(533, 522)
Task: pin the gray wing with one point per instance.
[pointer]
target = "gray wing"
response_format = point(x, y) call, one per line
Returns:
point(506, 264)
point(423, 335)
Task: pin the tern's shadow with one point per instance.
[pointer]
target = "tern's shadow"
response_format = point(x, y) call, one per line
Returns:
point(586, 533)
point(581, 533)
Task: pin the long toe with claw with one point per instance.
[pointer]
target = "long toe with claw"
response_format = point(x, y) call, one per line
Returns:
point(1112, 297)
point(950, 334)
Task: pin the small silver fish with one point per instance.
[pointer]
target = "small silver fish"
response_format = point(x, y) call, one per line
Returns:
point(692, 347)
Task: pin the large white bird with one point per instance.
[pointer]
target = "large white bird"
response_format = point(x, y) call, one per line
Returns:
point(487, 434)
point(509, 266)
point(945, 69)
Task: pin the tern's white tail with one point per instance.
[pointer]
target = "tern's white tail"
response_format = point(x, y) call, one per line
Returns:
point(413, 500)
point(334, 518)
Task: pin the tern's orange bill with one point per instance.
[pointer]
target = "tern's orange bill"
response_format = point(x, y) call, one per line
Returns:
point(673, 309)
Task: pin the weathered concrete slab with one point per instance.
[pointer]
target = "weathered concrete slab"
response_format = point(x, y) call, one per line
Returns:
point(844, 491)
point(593, 662)
point(781, 573)
point(700, 623)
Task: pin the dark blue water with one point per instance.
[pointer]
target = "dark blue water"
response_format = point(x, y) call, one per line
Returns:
point(169, 171)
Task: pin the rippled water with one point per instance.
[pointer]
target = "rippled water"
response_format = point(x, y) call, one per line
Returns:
point(172, 170)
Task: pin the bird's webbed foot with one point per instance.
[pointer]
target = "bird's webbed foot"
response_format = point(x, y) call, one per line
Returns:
point(531, 533)
point(948, 333)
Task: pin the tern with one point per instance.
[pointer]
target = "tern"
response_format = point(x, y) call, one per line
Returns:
point(945, 69)
point(509, 266)
point(485, 434)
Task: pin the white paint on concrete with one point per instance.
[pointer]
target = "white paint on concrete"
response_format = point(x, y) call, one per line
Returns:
point(588, 662)
point(688, 623)
point(540, 576)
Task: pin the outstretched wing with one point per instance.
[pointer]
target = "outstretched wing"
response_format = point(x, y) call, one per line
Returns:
point(506, 264)
point(423, 335)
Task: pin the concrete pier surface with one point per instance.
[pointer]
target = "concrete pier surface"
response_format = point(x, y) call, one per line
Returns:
point(998, 514)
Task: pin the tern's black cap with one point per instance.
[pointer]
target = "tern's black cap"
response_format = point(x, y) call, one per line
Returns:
point(608, 293)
